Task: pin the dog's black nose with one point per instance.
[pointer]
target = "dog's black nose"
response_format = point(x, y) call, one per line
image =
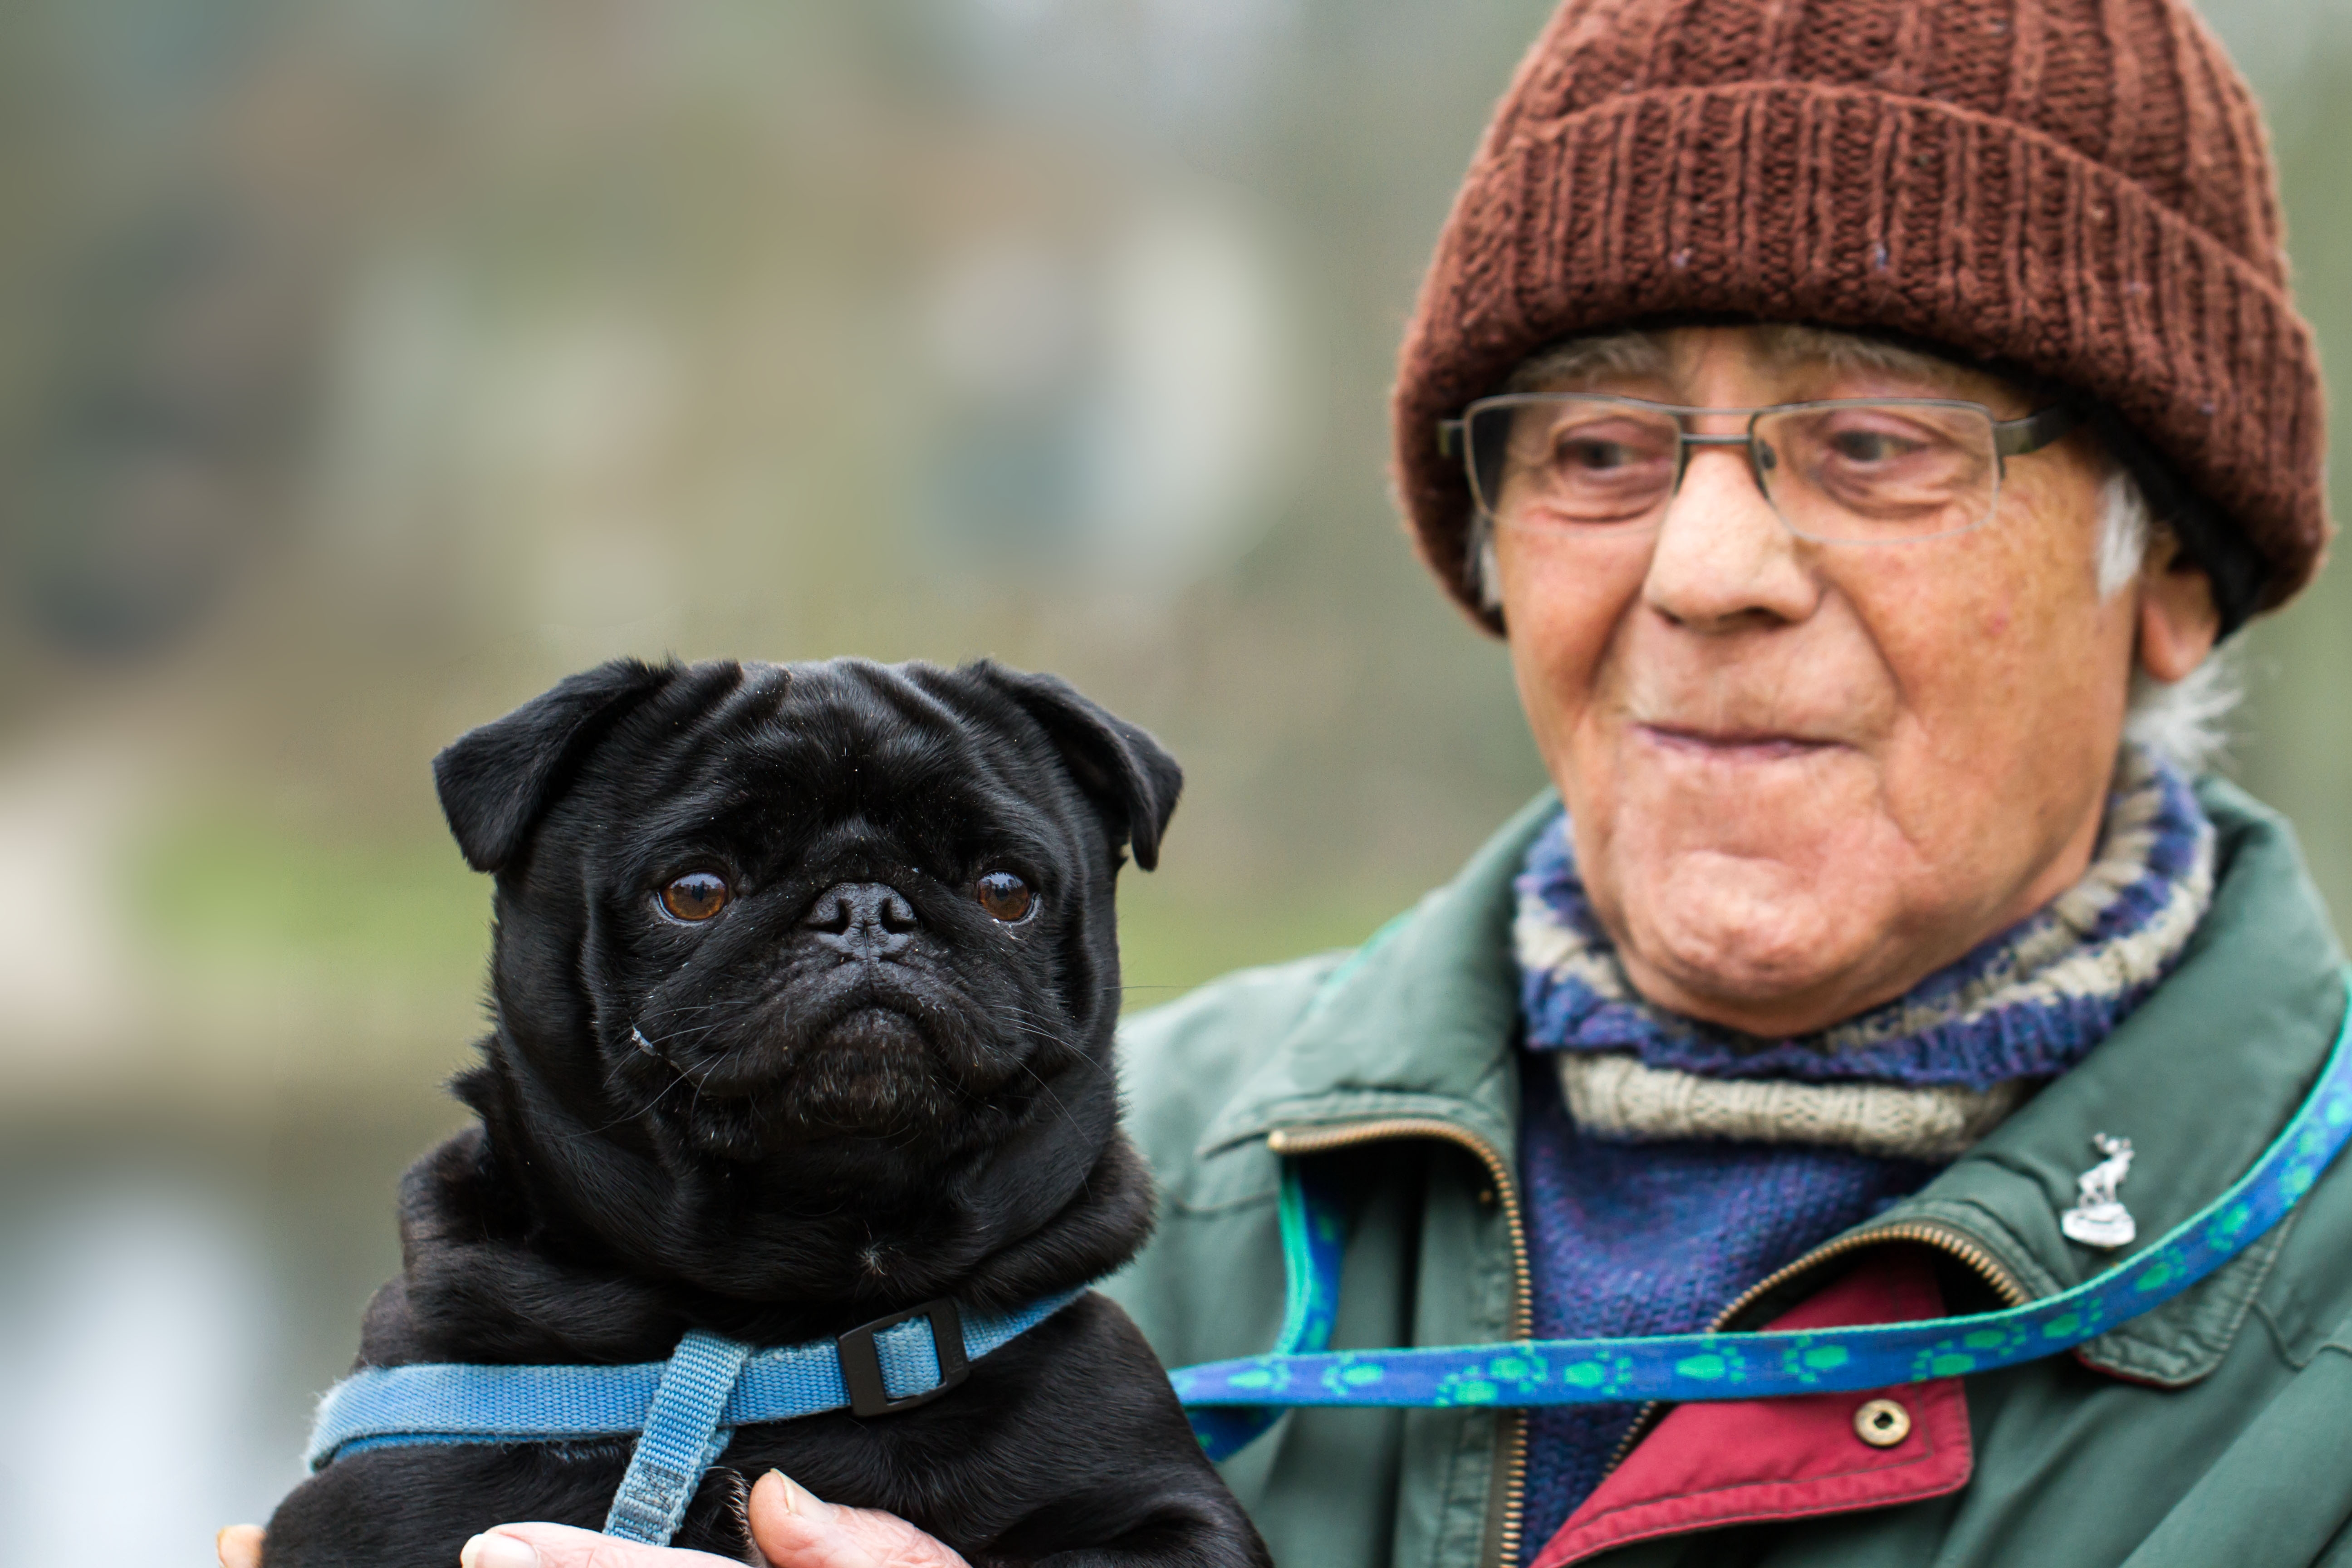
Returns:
point(863, 920)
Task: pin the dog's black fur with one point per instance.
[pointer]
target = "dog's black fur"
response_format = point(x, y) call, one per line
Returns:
point(842, 1106)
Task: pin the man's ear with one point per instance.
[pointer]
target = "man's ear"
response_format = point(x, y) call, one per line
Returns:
point(1122, 769)
point(2178, 623)
point(498, 781)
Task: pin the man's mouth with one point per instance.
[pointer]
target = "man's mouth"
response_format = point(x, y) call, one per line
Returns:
point(1734, 745)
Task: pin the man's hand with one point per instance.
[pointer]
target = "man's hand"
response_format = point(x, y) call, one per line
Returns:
point(793, 1529)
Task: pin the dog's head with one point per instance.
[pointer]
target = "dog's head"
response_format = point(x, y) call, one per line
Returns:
point(827, 925)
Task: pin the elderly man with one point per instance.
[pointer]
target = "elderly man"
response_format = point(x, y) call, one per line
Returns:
point(1861, 418)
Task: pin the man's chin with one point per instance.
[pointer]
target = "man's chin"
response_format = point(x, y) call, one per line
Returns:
point(1759, 982)
point(1753, 947)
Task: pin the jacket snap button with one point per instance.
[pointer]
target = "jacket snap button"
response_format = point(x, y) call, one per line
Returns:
point(1882, 1423)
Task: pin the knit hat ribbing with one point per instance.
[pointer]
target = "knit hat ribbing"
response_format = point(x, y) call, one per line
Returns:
point(2080, 189)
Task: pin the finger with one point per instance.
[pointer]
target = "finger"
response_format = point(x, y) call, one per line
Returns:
point(560, 1546)
point(797, 1530)
point(239, 1546)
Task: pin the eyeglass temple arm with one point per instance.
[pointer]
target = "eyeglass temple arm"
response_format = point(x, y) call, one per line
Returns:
point(2015, 437)
point(1449, 438)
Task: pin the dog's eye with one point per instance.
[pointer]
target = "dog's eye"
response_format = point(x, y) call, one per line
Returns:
point(697, 896)
point(1005, 897)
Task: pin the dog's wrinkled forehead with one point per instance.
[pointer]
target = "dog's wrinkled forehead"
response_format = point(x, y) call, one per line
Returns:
point(911, 751)
point(849, 757)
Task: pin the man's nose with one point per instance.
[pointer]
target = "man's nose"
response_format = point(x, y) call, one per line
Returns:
point(1724, 558)
point(863, 920)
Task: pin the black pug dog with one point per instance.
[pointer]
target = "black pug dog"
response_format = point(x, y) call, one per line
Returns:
point(803, 984)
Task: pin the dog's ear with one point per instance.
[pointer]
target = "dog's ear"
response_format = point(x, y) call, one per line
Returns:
point(498, 781)
point(1120, 767)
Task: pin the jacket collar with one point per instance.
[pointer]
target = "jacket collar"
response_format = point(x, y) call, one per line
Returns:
point(2200, 1078)
point(1420, 1021)
point(1423, 1021)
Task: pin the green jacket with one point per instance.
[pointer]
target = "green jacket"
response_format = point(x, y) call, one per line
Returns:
point(2217, 1429)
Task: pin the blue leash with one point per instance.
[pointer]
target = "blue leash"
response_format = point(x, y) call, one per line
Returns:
point(683, 1411)
point(1232, 1402)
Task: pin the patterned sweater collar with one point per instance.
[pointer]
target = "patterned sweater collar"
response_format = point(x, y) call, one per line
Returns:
point(1925, 1075)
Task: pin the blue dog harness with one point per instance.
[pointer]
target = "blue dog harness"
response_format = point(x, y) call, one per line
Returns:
point(1232, 1402)
point(685, 1410)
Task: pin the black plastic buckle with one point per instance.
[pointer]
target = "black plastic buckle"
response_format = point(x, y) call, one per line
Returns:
point(861, 1363)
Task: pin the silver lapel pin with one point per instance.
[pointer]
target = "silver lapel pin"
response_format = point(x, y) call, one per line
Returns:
point(2098, 1219)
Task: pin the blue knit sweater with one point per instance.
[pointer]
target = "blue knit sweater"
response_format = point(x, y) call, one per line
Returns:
point(1652, 1234)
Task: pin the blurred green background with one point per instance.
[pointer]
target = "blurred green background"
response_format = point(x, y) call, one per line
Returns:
point(367, 364)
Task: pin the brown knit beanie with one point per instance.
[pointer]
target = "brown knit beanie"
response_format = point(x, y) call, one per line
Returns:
point(2079, 190)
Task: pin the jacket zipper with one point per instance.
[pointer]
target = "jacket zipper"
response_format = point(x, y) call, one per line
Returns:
point(1293, 1141)
point(1950, 1240)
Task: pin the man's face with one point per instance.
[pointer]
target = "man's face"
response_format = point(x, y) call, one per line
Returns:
point(1804, 776)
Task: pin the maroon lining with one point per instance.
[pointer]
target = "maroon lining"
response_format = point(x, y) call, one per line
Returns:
point(1748, 1461)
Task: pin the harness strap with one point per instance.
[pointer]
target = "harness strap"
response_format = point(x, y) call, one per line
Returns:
point(682, 1411)
point(681, 1438)
point(1232, 1402)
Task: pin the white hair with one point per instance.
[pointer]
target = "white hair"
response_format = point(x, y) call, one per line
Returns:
point(2186, 721)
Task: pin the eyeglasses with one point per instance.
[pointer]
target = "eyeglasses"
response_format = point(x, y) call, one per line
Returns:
point(1845, 470)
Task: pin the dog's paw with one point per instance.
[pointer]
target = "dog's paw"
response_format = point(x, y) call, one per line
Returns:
point(719, 1519)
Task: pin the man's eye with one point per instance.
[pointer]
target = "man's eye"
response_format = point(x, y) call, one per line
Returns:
point(695, 897)
point(1005, 897)
point(1869, 445)
point(1596, 456)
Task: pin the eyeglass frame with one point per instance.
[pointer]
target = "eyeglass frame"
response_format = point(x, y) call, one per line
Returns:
point(2011, 438)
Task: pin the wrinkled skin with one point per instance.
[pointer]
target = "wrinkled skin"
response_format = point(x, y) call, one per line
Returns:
point(789, 1526)
point(850, 1089)
point(1804, 776)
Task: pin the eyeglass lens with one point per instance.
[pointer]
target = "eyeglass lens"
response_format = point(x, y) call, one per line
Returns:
point(1861, 472)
